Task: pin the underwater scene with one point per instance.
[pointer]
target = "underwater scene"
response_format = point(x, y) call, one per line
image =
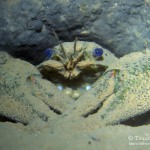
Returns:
point(74, 75)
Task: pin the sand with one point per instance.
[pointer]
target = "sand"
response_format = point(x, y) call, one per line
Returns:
point(34, 116)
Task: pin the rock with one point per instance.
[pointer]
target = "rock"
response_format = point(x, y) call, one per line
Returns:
point(35, 25)
point(120, 26)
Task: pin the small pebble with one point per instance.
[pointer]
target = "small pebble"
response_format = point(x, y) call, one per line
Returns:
point(68, 91)
point(75, 94)
point(60, 87)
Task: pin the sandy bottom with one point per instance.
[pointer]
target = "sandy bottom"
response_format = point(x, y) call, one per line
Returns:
point(66, 135)
point(27, 98)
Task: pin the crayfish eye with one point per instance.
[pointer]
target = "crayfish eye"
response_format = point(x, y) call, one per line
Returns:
point(48, 53)
point(98, 52)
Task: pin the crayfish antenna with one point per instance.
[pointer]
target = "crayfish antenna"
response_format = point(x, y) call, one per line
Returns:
point(75, 45)
point(62, 48)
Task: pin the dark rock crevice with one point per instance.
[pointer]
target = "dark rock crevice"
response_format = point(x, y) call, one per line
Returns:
point(121, 26)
